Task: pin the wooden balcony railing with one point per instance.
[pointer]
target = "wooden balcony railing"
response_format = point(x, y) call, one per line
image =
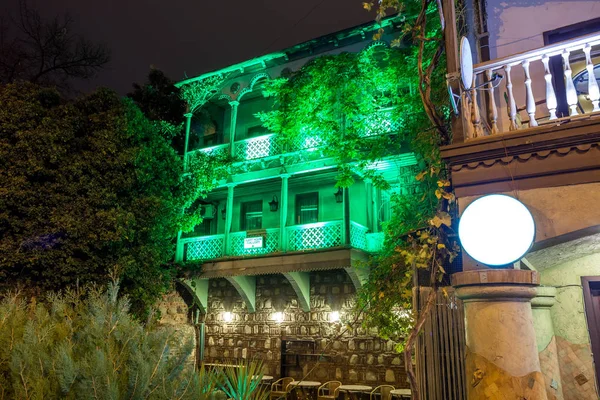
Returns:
point(525, 75)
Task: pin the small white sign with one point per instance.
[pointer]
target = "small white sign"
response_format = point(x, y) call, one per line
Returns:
point(253, 242)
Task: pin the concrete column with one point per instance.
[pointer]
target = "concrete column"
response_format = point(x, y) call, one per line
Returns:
point(375, 208)
point(283, 211)
point(228, 218)
point(232, 125)
point(502, 357)
point(546, 342)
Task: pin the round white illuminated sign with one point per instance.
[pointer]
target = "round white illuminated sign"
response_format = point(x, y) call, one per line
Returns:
point(496, 230)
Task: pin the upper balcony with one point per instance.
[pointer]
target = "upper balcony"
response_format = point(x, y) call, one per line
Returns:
point(540, 89)
point(530, 120)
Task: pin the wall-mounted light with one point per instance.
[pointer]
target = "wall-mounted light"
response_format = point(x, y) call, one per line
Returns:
point(278, 317)
point(274, 204)
point(334, 316)
point(339, 195)
point(227, 316)
point(224, 213)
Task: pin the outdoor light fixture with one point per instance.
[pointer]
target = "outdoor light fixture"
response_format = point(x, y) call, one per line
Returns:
point(339, 195)
point(496, 230)
point(334, 316)
point(227, 316)
point(274, 205)
point(224, 213)
point(278, 317)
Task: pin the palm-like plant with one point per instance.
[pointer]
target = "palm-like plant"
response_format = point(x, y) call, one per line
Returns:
point(243, 382)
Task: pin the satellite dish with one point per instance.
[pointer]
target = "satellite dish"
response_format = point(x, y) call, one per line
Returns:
point(466, 63)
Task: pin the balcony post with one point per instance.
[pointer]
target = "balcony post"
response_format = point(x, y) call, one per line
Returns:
point(188, 123)
point(283, 211)
point(346, 219)
point(232, 125)
point(369, 195)
point(228, 219)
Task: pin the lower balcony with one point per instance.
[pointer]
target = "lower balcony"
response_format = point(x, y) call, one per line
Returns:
point(320, 235)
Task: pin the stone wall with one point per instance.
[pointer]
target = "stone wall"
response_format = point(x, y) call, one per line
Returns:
point(174, 314)
point(351, 355)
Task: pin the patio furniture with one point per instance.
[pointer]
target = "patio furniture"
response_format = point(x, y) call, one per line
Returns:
point(401, 393)
point(305, 388)
point(279, 388)
point(352, 391)
point(331, 388)
point(383, 390)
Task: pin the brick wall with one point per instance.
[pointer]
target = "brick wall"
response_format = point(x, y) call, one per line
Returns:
point(357, 356)
point(174, 314)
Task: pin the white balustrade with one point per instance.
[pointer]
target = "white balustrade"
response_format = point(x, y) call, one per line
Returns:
point(517, 92)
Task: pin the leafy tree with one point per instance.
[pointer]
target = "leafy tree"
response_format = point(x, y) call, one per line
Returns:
point(86, 345)
point(90, 188)
point(48, 53)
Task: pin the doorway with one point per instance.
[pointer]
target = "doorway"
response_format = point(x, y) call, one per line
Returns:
point(591, 300)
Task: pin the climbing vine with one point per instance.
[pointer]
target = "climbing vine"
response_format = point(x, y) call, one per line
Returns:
point(341, 99)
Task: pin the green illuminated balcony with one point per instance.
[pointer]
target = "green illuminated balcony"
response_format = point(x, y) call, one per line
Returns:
point(320, 235)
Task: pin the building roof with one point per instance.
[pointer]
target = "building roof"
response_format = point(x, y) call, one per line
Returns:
point(313, 46)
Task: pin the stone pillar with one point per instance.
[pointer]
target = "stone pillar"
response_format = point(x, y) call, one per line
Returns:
point(502, 357)
point(232, 126)
point(283, 211)
point(346, 217)
point(546, 342)
point(369, 195)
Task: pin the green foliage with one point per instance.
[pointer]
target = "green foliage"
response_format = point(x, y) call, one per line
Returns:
point(90, 189)
point(80, 345)
point(243, 382)
point(340, 97)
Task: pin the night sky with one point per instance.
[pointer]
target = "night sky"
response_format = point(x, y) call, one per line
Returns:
point(193, 36)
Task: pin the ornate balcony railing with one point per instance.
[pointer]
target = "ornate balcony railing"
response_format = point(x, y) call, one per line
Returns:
point(314, 236)
point(270, 243)
point(220, 149)
point(320, 235)
point(524, 75)
point(258, 147)
point(204, 247)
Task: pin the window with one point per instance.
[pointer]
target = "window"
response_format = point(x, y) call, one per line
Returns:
point(251, 215)
point(307, 208)
point(204, 228)
point(255, 131)
point(385, 207)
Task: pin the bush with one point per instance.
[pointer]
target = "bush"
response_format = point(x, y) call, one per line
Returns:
point(86, 345)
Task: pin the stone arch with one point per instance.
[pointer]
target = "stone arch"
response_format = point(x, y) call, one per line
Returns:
point(300, 282)
point(246, 287)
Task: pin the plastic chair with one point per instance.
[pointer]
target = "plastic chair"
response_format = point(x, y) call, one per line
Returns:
point(332, 388)
point(279, 388)
point(384, 390)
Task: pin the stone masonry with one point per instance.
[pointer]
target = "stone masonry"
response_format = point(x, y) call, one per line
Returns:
point(355, 356)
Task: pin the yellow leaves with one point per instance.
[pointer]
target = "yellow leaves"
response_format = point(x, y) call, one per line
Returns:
point(441, 246)
point(378, 35)
point(381, 295)
point(367, 6)
point(396, 42)
point(443, 183)
point(421, 175)
point(442, 218)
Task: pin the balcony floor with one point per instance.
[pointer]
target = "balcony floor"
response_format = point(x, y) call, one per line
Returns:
point(315, 260)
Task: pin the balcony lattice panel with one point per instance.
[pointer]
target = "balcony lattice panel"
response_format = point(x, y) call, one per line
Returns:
point(205, 248)
point(315, 236)
point(270, 244)
point(260, 147)
point(381, 123)
point(358, 236)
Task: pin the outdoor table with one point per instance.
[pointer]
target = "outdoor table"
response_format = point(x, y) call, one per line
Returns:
point(306, 387)
point(352, 390)
point(402, 393)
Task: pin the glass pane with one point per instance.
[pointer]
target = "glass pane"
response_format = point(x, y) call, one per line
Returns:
point(251, 215)
point(307, 208)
